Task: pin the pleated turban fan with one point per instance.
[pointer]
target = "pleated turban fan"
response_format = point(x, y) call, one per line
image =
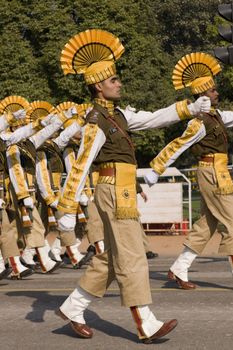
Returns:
point(196, 71)
point(12, 104)
point(39, 110)
point(92, 53)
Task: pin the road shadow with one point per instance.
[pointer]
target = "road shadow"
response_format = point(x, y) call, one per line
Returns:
point(173, 284)
point(210, 259)
point(97, 323)
point(161, 275)
point(43, 302)
point(3, 284)
point(107, 327)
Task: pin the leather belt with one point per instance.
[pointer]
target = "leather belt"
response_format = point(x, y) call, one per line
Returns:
point(107, 172)
point(207, 159)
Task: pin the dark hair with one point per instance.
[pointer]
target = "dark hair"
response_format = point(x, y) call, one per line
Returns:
point(93, 91)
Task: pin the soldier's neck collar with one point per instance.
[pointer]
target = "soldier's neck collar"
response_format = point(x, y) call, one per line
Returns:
point(109, 105)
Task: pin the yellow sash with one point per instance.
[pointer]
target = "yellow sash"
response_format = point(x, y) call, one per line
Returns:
point(125, 188)
point(225, 184)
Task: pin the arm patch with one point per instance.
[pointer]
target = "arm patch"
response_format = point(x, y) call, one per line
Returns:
point(92, 117)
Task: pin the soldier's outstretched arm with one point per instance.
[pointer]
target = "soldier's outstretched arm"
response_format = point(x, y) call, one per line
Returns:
point(194, 132)
point(63, 139)
point(166, 116)
point(227, 118)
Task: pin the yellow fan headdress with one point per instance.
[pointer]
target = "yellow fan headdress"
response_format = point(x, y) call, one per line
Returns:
point(12, 104)
point(39, 110)
point(92, 53)
point(195, 70)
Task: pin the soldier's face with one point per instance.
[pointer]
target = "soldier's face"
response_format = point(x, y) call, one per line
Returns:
point(110, 89)
point(213, 95)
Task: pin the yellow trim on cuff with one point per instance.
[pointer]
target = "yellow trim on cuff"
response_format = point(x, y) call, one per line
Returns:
point(50, 199)
point(182, 110)
point(36, 125)
point(22, 195)
point(62, 117)
point(66, 208)
point(156, 167)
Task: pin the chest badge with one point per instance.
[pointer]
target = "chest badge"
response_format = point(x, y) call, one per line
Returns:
point(112, 131)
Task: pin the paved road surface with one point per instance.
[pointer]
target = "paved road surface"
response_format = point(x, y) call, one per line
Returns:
point(205, 316)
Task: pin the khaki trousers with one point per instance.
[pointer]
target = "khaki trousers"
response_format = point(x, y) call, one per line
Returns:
point(8, 239)
point(95, 227)
point(32, 237)
point(215, 208)
point(124, 256)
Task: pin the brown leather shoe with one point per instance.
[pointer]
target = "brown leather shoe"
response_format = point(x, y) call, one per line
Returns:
point(166, 328)
point(181, 284)
point(82, 329)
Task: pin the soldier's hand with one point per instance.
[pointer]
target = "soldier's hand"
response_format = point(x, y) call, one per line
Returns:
point(48, 119)
point(67, 222)
point(28, 202)
point(20, 114)
point(2, 204)
point(202, 104)
point(151, 178)
point(71, 112)
point(144, 196)
point(83, 200)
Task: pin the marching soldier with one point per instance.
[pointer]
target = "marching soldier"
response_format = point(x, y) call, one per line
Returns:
point(88, 220)
point(21, 164)
point(49, 170)
point(105, 141)
point(8, 243)
point(207, 137)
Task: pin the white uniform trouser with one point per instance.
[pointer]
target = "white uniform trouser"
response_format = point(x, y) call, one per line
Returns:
point(75, 305)
point(183, 262)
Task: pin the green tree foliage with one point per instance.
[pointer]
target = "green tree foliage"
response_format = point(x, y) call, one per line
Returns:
point(155, 34)
point(183, 24)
